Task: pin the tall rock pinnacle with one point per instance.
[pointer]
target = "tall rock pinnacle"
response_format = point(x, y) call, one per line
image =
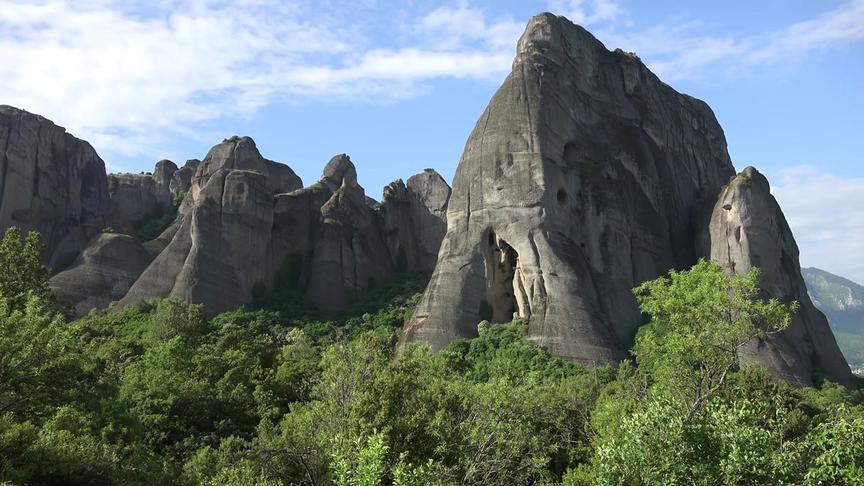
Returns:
point(585, 176)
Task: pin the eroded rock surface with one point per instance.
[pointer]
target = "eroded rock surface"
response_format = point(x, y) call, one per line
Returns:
point(50, 182)
point(581, 176)
point(181, 181)
point(585, 176)
point(220, 246)
point(330, 232)
point(103, 272)
point(747, 229)
point(415, 220)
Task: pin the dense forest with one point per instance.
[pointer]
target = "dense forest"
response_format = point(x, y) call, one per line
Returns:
point(161, 393)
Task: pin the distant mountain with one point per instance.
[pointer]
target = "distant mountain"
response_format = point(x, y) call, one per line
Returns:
point(842, 301)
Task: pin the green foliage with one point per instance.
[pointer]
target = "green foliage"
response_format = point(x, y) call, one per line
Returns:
point(38, 359)
point(160, 393)
point(21, 269)
point(700, 318)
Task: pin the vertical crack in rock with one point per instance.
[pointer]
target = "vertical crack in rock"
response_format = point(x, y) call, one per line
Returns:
point(501, 263)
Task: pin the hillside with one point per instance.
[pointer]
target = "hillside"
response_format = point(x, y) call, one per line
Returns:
point(842, 301)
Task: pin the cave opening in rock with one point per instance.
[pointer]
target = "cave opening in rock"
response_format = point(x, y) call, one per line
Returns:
point(501, 267)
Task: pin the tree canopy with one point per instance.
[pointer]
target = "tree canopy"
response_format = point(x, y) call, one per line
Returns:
point(161, 393)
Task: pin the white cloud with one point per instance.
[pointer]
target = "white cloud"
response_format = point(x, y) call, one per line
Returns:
point(128, 76)
point(679, 49)
point(588, 12)
point(826, 214)
point(132, 76)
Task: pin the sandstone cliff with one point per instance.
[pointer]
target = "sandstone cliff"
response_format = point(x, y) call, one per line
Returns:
point(585, 176)
point(242, 218)
point(415, 220)
point(747, 229)
point(50, 182)
point(577, 183)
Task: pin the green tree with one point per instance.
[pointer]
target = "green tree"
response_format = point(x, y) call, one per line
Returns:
point(39, 359)
point(700, 319)
point(21, 268)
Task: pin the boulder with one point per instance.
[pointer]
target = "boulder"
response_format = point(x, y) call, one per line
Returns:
point(747, 229)
point(50, 182)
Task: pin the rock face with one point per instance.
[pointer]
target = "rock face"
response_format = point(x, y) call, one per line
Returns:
point(242, 153)
point(578, 182)
point(747, 229)
point(50, 182)
point(221, 244)
point(415, 220)
point(585, 176)
point(334, 236)
point(103, 272)
point(181, 181)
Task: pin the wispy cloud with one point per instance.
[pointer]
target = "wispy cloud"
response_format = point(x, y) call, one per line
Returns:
point(132, 76)
point(589, 12)
point(679, 49)
point(128, 78)
point(826, 214)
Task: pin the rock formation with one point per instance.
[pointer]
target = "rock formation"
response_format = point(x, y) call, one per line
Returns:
point(181, 181)
point(747, 229)
point(50, 182)
point(585, 176)
point(331, 231)
point(136, 197)
point(241, 219)
point(221, 245)
point(414, 220)
point(102, 273)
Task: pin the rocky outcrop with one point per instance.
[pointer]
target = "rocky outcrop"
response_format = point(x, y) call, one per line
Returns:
point(334, 236)
point(50, 182)
point(136, 197)
point(241, 153)
point(585, 176)
point(103, 272)
point(220, 247)
point(181, 181)
point(578, 182)
point(414, 217)
point(747, 229)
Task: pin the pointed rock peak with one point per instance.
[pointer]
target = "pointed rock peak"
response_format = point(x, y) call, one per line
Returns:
point(191, 164)
point(339, 171)
point(751, 174)
point(427, 177)
point(165, 164)
point(164, 170)
point(553, 37)
point(396, 190)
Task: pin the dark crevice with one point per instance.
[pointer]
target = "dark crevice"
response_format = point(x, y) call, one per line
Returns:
point(502, 261)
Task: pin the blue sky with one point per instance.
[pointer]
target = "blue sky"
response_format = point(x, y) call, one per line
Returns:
point(399, 85)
